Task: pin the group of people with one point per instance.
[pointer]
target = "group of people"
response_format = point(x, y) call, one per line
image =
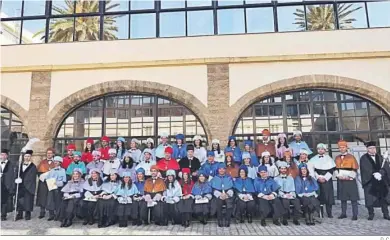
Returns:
point(176, 182)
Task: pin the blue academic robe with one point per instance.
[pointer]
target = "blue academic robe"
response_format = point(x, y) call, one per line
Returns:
point(210, 169)
point(222, 183)
point(179, 152)
point(254, 159)
point(201, 189)
point(110, 187)
point(244, 185)
point(58, 174)
point(266, 186)
point(140, 186)
point(296, 147)
point(237, 155)
point(73, 165)
point(287, 185)
point(125, 192)
point(304, 186)
point(160, 150)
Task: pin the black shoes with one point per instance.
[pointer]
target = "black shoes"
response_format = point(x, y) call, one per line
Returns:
point(19, 216)
point(66, 223)
point(41, 215)
point(284, 222)
point(276, 222)
point(296, 222)
point(86, 221)
point(342, 216)
point(370, 217)
point(51, 216)
point(249, 218)
point(387, 217)
point(27, 216)
point(220, 223)
point(354, 218)
point(3, 217)
point(263, 223)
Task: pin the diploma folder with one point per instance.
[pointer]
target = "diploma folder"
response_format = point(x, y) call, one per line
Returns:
point(202, 200)
point(51, 184)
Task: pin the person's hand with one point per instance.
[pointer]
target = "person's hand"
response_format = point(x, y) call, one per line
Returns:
point(18, 180)
point(377, 176)
point(321, 179)
point(197, 197)
point(246, 197)
point(287, 195)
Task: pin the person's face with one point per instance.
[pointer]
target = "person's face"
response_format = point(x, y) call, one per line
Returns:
point(228, 159)
point(202, 178)
point(197, 142)
point(303, 157)
point(49, 154)
point(147, 156)
point(371, 150)
point(57, 163)
point(179, 141)
point(210, 159)
point(298, 138)
point(89, 145)
point(164, 140)
point(167, 155)
point(288, 159)
point(185, 176)
point(4, 156)
point(304, 171)
point(133, 145)
point(149, 144)
point(247, 148)
point(282, 140)
point(96, 157)
point(247, 161)
point(140, 176)
point(283, 170)
point(215, 146)
point(104, 143)
point(221, 171)
point(76, 176)
point(119, 143)
point(263, 174)
point(190, 153)
point(170, 178)
point(126, 179)
point(127, 159)
point(94, 175)
point(154, 172)
point(77, 158)
point(343, 149)
point(242, 173)
point(266, 159)
point(232, 143)
point(27, 157)
point(113, 177)
point(321, 151)
point(265, 138)
point(112, 155)
point(70, 152)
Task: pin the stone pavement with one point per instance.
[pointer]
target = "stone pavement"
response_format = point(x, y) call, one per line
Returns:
point(378, 226)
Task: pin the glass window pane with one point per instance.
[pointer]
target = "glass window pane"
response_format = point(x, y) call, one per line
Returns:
point(259, 20)
point(320, 17)
point(200, 23)
point(261, 110)
point(275, 110)
point(33, 31)
point(142, 4)
point(231, 21)
point(361, 123)
point(347, 109)
point(172, 24)
point(88, 29)
point(143, 25)
point(349, 124)
point(10, 32)
point(291, 18)
point(198, 3)
point(318, 109)
point(60, 7)
point(34, 8)
point(257, 1)
point(61, 30)
point(332, 110)
point(117, 5)
point(230, 2)
point(304, 110)
point(11, 8)
point(87, 6)
point(333, 124)
point(292, 110)
point(352, 15)
point(374, 110)
point(248, 127)
point(378, 14)
point(172, 4)
point(116, 27)
point(376, 123)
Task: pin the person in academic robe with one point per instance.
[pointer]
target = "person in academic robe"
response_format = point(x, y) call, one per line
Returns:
point(211, 166)
point(87, 157)
point(150, 148)
point(120, 147)
point(134, 151)
point(167, 163)
point(171, 197)
point(266, 145)
point(106, 206)
point(96, 163)
point(146, 162)
point(248, 148)
point(244, 191)
point(72, 198)
point(186, 202)
point(231, 166)
point(235, 149)
point(218, 153)
point(287, 194)
point(303, 157)
point(292, 167)
point(374, 186)
point(27, 186)
point(346, 172)
point(297, 144)
point(154, 189)
point(77, 163)
point(126, 194)
point(68, 159)
point(160, 150)
point(43, 167)
point(271, 166)
point(92, 190)
point(127, 165)
point(199, 151)
point(266, 190)
point(222, 185)
point(112, 163)
point(190, 162)
point(142, 206)
point(179, 148)
point(54, 196)
point(105, 147)
point(8, 174)
point(247, 162)
point(202, 190)
point(321, 168)
point(282, 146)
point(306, 188)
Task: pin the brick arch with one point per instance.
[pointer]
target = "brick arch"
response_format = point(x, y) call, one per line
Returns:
point(57, 114)
point(326, 82)
point(15, 108)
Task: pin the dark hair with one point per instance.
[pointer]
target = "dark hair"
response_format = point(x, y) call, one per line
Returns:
point(86, 148)
point(263, 161)
point(200, 143)
point(123, 184)
point(232, 160)
point(109, 178)
point(130, 164)
point(235, 142)
point(167, 183)
point(98, 183)
point(123, 148)
point(218, 148)
point(151, 145)
point(307, 174)
point(284, 144)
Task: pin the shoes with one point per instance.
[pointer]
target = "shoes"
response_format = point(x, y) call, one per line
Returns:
point(19, 216)
point(387, 217)
point(263, 223)
point(354, 218)
point(342, 216)
point(85, 221)
point(91, 222)
point(220, 223)
point(27, 216)
point(284, 222)
point(41, 215)
point(3, 218)
point(249, 218)
point(296, 222)
point(51, 218)
point(276, 222)
point(370, 217)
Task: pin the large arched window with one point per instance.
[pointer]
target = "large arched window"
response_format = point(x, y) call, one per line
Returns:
point(322, 116)
point(13, 133)
point(129, 116)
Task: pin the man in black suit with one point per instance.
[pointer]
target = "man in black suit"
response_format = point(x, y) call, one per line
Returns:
point(7, 172)
point(190, 162)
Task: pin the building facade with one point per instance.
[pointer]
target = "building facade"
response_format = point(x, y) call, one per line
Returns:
point(226, 68)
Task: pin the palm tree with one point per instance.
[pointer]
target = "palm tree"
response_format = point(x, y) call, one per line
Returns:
point(85, 28)
point(322, 17)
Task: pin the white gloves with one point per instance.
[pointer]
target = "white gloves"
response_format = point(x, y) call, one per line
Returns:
point(377, 176)
point(147, 198)
point(198, 197)
point(157, 197)
point(260, 195)
point(18, 180)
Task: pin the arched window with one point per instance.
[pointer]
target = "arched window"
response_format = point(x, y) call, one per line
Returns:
point(128, 116)
point(322, 116)
point(13, 133)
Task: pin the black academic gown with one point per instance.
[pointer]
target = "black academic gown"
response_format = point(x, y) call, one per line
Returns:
point(27, 188)
point(8, 187)
point(193, 165)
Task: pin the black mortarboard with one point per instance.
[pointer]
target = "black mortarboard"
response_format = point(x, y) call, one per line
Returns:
point(5, 151)
point(190, 147)
point(371, 144)
point(29, 152)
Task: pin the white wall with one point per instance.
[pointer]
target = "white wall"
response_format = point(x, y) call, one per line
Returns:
point(246, 77)
point(192, 79)
point(17, 87)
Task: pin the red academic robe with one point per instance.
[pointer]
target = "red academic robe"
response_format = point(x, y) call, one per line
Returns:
point(66, 161)
point(86, 157)
point(164, 165)
point(104, 153)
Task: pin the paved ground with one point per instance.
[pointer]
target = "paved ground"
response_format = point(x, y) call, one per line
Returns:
point(333, 226)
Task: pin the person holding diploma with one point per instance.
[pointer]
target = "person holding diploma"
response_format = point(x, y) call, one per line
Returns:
point(92, 190)
point(202, 193)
